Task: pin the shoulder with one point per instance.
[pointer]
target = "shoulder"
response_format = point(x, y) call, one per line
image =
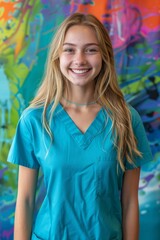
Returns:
point(30, 118)
point(34, 115)
point(31, 113)
point(135, 116)
point(36, 112)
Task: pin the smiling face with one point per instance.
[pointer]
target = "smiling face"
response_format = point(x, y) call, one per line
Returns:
point(80, 57)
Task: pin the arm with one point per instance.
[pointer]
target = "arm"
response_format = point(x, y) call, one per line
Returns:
point(27, 182)
point(130, 206)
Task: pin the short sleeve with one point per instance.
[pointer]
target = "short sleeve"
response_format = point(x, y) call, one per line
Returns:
point(22, 151)
point(142, 142)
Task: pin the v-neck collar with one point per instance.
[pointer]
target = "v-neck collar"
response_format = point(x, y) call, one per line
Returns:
point(82, 139)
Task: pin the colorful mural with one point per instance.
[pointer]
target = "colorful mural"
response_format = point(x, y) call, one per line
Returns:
point(26, 28)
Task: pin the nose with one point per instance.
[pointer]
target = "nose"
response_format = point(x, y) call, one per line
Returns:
point(80, 58)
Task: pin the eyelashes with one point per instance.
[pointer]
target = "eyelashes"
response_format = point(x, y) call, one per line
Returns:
point(87, 50)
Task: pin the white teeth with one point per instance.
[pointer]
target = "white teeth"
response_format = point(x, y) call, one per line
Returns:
point(79, 70)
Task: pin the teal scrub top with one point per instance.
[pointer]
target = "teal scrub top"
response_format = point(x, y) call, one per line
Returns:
point(82, 177)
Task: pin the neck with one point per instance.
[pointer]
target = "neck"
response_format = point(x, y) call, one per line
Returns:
point(79, 104)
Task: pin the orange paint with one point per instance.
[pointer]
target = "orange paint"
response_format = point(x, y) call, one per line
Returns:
point(150, 12)
point(152, 22)
point(147, 4)
point(9, 8)
point(98, 8)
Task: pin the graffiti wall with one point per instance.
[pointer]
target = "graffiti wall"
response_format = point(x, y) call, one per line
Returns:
point(26, 28)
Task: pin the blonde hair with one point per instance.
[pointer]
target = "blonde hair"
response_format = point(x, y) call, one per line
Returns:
point(107, 90)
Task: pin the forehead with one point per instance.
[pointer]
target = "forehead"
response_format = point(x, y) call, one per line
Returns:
point(81, 34)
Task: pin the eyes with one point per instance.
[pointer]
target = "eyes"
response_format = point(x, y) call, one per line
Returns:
point(87, 50)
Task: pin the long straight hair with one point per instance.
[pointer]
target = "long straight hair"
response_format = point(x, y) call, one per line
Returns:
point(107, 90)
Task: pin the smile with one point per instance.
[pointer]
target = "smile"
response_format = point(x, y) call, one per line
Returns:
point(80, 71)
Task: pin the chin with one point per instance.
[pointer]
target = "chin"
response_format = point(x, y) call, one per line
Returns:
point(78, 83)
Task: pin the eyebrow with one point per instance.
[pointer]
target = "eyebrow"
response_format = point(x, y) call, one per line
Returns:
point(88, 44)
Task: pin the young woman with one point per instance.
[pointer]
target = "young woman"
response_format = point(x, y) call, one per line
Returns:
point(87, 140)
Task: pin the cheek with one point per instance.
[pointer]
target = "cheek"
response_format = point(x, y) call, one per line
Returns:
point(98, 63)
point(62, 63)
point(97, 60)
